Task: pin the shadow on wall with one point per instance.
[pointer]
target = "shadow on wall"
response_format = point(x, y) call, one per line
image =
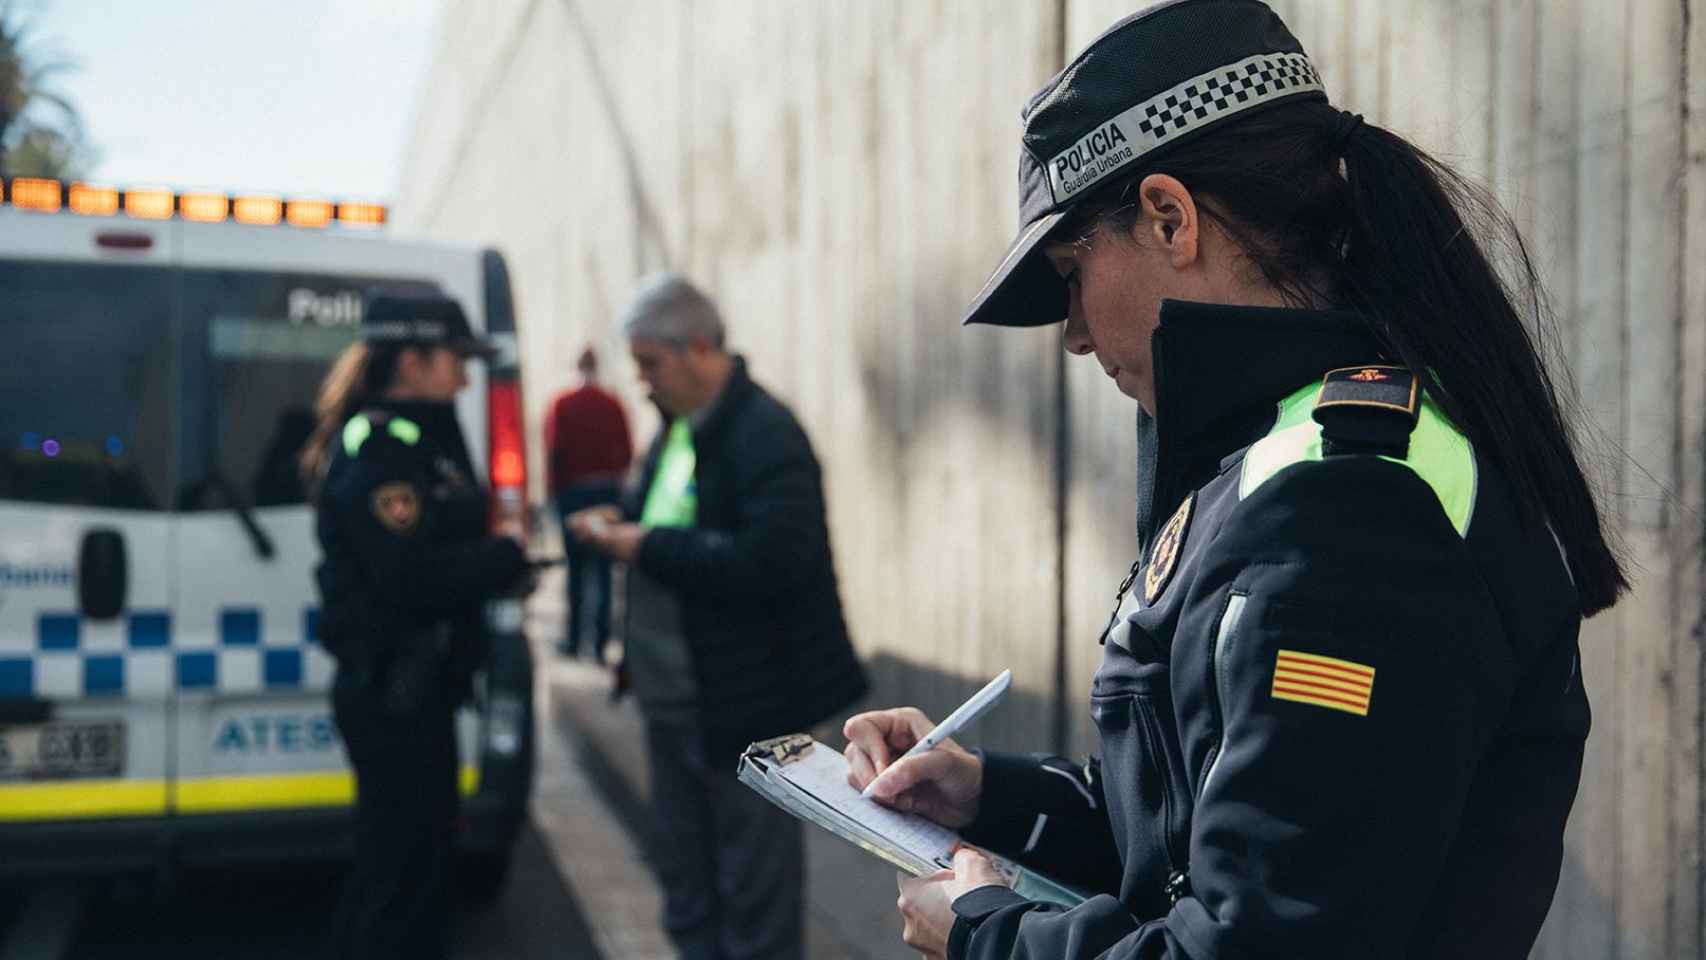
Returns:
point(651, 245)
point(913, 373)
point(997, 396)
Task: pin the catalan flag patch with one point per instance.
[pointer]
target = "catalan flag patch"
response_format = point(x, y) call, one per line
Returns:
point(1323, 681)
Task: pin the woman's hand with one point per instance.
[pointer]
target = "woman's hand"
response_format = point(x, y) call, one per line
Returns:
point(943, 784)
point(926, 903)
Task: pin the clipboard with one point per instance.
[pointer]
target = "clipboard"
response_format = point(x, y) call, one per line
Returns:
point(809, 780)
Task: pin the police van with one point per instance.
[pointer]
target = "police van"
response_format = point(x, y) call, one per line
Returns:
point(163, 695)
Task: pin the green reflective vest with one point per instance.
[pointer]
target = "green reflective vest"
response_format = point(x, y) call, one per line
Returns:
point(673, 500)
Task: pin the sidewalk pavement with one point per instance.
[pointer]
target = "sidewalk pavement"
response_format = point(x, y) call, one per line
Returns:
point(850, 901)
point(594, 851)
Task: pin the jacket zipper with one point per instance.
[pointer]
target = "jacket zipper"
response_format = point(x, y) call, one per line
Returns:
point(1155, 742)
point(1228, 622)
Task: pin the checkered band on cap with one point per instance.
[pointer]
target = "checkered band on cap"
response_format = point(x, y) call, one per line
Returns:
point(1187, 106)
point(406, 330)
point(417, 317)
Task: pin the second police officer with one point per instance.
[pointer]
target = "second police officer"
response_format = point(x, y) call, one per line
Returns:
point(1340, 706)
point(408, 567)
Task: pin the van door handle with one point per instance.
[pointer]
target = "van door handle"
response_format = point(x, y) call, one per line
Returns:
point(103, 573)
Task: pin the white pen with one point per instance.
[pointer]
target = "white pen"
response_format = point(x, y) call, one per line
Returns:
point(954, 722)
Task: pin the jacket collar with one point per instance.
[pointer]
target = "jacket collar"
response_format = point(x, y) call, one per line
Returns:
point(1220, 372)
point(434, 417)
point(439, 425)
point(711, 420)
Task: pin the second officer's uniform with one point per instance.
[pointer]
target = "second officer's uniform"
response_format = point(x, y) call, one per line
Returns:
point(408, 567)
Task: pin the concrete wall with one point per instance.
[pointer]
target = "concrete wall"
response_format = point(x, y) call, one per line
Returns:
point(841, 177)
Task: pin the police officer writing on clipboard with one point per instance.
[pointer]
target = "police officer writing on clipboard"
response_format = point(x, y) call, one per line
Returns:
point(1339, 706)
point(408, 567)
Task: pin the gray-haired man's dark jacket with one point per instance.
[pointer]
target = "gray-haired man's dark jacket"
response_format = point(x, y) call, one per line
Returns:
point(754, 576)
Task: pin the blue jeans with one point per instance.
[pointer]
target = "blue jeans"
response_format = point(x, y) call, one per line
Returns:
point(582, 562)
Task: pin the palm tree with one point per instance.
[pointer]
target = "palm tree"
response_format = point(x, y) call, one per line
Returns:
point(40, 132)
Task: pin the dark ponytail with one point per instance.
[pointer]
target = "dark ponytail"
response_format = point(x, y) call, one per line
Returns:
point(1415, 265)
point(358, 377)
point(1335, 211)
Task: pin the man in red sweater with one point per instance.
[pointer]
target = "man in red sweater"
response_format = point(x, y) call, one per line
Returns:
point(587, 450)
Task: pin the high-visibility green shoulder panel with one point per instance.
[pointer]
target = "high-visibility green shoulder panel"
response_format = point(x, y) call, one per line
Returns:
point(360, 427)
point(405, 430)
point(356, 432)
point(1439, 454)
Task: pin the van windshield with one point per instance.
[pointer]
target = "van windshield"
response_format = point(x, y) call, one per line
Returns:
point(85, 381)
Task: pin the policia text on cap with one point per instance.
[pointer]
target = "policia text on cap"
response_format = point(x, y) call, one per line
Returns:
point(1339, 704)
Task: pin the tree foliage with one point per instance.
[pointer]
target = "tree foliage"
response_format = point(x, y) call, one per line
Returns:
point(40, 131)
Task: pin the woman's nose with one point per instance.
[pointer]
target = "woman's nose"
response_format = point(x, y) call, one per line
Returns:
point(1077, 337)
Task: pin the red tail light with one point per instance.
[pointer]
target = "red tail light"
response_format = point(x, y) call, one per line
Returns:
point(507, 457)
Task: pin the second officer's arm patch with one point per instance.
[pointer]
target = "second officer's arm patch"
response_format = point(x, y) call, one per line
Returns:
point(397, 506)
point(1164, 555)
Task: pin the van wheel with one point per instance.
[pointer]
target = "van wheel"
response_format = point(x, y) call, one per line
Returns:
point(481, 877)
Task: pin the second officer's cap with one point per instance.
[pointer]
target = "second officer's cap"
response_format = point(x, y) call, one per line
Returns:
point(420, 319)
point(1156, 79)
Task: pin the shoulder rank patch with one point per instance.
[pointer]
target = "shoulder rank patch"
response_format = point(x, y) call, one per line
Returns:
point(1323, 681)
point(1380, 386)
point(1164, 554)
point(398, 506)
point(1368, 410)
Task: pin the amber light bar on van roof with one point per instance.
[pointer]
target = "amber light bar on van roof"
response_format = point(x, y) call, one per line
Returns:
point(160, 203)
point(92, 201)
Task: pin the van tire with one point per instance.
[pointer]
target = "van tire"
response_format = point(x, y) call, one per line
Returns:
point(481, 877)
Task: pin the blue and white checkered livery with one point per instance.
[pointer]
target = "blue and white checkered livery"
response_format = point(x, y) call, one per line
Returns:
point(234, 650)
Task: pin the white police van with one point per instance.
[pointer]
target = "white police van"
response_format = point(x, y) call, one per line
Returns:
point(163, 699)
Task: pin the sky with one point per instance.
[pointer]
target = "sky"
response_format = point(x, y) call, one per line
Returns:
point(305, 97)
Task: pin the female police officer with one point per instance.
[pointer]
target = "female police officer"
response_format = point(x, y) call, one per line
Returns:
point(408, 566)
point(1340, 710)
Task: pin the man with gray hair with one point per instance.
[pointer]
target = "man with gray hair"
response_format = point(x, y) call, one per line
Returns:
point(735, 630)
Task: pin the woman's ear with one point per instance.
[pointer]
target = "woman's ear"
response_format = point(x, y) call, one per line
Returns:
point(1170, 215)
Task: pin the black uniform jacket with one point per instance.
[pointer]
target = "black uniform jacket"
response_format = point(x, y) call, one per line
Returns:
point(1343, 715)
point(755, 576)
point(402, 522)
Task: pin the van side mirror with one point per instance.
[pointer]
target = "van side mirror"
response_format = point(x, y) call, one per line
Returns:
point(103, 574)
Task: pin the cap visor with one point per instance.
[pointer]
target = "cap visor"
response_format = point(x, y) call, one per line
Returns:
point(1024, 291)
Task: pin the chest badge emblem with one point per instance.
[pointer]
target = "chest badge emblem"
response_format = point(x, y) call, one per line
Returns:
point(397, 506)
point(1164, 554)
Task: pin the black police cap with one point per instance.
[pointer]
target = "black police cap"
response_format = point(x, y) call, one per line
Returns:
point(1156, 79)
point(420, 319)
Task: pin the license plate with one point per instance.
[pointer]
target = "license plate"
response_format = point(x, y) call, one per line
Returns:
point(58, 750)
